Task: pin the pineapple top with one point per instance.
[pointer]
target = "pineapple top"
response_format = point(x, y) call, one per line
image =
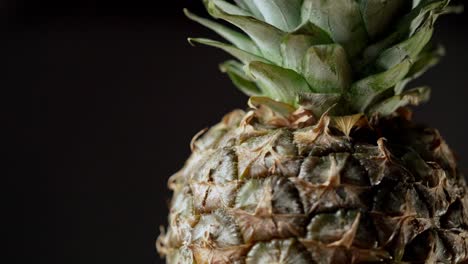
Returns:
point(347, 56)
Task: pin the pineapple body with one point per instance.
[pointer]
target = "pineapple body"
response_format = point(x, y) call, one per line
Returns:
point(276, 191)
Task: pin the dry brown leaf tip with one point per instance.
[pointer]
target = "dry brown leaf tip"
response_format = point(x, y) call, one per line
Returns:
point(310, 135)
point(346, 123)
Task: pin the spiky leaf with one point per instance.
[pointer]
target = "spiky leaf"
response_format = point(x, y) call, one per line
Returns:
point(295, 45)
point(360, 52)
point(326, 68)
point(239, 40)
point(424, 62)
point(341, 19)
point(363, 92)
point(251, 7)
point(228, 7)
point(410, 97)
point(378, 14)
point(406, 28)
point(283, 14)
point(278, 83)
point(267, 37)
point(238, 77)
point(241, 55)
point(409, 48)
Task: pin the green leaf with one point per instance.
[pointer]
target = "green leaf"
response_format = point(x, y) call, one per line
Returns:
point(234, 67)
point(407, 27)
point(250, 5)
point(378, 14)
point(230, 8)
point(242, 4)
point(409, 48)
point(238, 39)
point(318, 103)
point(416, 3)
point(241, 55)
point(240, 80)
point(425, 61)
point(296, 44)
point(454, 9)
point(278, 83)
point(326, 69)
point(293, 50)
point(283, 14)
point(341, 19)
point(411, 97)
point(267, 37)
point(426, 10)
point(319, 35)
point(363, 92)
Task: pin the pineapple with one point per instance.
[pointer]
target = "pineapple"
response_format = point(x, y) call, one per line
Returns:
point(325, 165)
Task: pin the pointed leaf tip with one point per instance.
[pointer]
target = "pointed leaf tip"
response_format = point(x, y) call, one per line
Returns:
point(238, 39)
point(267, 37)
point(191, 42)
point(241, 55)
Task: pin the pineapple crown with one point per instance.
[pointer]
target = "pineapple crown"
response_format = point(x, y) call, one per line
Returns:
point(347, 56)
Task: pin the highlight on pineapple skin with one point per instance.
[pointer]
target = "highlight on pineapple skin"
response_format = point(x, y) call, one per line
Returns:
point(326, 165)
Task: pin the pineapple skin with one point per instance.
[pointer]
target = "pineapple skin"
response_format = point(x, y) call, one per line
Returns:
point(261, 188)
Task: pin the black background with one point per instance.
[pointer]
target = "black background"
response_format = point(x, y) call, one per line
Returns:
point(99, 102)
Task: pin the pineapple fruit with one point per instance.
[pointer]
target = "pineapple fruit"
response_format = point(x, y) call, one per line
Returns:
point(325, 165)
